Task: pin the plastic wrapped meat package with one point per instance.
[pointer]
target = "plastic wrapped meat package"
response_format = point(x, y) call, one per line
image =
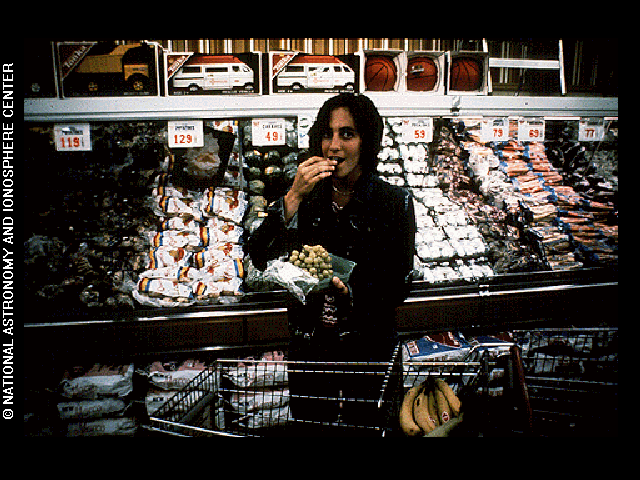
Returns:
point(257, 390)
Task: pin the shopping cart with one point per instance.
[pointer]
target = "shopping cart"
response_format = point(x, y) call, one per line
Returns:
point(572, 380)
point(488, 380)
point(246, 397)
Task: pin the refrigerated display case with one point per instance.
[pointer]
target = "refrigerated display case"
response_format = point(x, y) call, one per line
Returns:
point(515, 234)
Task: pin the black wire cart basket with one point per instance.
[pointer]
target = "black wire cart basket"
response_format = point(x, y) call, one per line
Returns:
point(546, 382)
point(571, 376)
point(244, 398)
point(240, 398)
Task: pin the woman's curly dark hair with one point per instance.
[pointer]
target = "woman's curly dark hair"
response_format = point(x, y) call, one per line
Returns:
point(368, 124)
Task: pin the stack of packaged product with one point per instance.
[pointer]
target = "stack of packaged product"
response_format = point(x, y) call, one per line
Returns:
point(195, 250)
point(97, 401)
point(448, 246)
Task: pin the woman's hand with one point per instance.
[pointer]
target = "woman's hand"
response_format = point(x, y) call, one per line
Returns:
point(340, 286)
point(309, 173)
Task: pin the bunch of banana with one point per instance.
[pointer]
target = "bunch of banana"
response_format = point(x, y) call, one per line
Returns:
point(430, 407)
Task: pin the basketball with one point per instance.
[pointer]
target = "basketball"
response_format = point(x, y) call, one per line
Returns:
point(380, 74)
point(422, 74)
point(466, 74)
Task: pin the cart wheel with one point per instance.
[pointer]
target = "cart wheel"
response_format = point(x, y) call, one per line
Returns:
point(248, 87)
point(194, 88)
point(92, 86)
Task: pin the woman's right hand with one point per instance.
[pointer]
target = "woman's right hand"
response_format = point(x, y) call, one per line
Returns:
point(310, 172)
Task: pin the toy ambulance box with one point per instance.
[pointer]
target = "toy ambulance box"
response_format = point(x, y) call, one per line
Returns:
point(201, 74)
point(292, 72)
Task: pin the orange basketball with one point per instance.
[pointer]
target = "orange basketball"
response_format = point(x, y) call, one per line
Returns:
point(466, 74)
point(422, 74)
point(380, 74)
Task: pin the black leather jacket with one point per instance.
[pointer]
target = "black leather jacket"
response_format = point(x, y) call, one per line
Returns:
point(376, 230)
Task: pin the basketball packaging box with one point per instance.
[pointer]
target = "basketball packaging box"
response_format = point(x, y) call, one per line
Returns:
point(383, 71)
point(425, 72)
point(297, 72)
point(468, 73)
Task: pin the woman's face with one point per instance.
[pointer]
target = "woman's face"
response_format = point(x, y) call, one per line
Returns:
point(341, 142)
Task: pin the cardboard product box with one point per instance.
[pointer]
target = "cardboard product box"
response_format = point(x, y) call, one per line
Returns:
point(189, 73)
point(39, 69)
point(426, 72)
point(383, 71)
point(91, 69)
point(468, 73)
point(295, 72)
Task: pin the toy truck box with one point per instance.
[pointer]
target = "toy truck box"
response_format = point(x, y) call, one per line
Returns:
point(107, 69)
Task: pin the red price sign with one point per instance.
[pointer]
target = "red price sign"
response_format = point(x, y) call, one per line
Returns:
point(186, 134)
point(531, 130)
point(72, 137)
point(591, 130)
point(495, 129)
point(417, 130)
point(268, 132)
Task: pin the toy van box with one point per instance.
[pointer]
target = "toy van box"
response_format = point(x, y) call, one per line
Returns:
point(295, 72)
point(106, 68)
point(202, 74)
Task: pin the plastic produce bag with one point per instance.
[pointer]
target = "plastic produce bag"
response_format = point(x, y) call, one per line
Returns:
point(300, 282)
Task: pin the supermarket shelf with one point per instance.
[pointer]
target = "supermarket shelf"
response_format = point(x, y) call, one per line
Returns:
point(239, 106)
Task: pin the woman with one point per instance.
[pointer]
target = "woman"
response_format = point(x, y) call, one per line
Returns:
point(337, 201)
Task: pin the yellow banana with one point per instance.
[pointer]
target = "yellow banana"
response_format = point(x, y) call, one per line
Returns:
point(432, 407)
point(408, 425)
point(421, 413)
point(451, 397)
point(443, 407)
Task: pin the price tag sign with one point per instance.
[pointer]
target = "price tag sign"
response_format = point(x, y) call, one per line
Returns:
point(417, 130)
point(267, 132)
point(591, 130)
point(75, 137)
point(495, 129)
point(531, 129)
point(186, 134)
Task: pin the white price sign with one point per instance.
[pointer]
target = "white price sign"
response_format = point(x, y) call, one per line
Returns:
point(531, 129)
point(495, 129)
point(591, 130)
point(268, 132)
point(186, 134)
point(74, 137)
point(417, 130)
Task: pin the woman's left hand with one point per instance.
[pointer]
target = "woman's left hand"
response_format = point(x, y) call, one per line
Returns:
point(339, 284)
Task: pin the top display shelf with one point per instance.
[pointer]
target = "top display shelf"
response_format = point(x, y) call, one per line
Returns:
point(251, 106)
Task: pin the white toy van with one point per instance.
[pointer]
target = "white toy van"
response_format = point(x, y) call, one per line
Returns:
point(218, 72)
point(316, 71)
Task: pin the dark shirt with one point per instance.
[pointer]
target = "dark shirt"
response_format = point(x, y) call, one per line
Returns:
point(376, 229)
